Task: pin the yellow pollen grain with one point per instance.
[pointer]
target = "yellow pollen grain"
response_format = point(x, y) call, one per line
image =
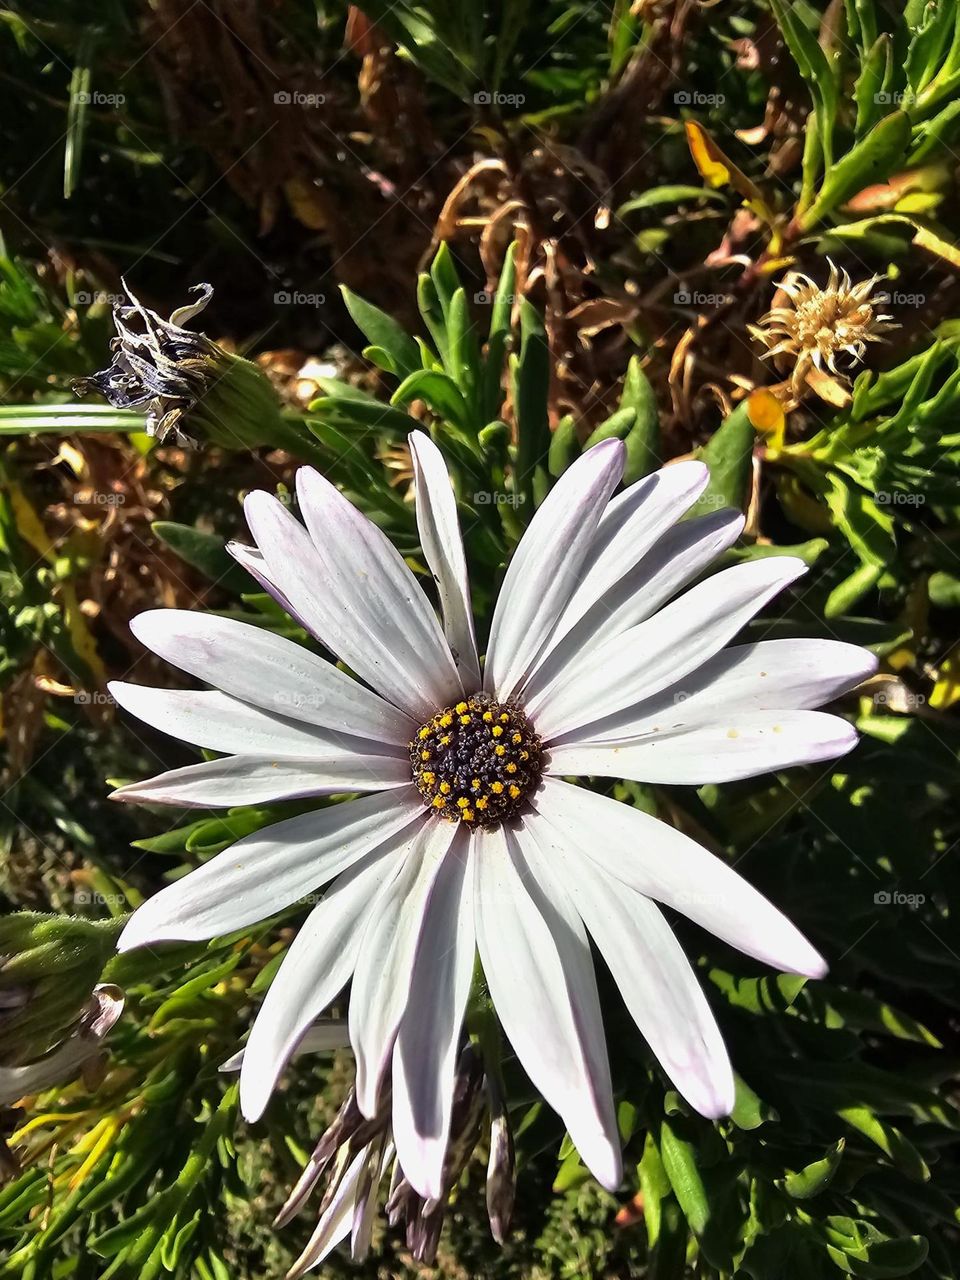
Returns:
point(429, 777)
point(424, 733)
point(424, 755)
point(482, 802)
point(460, 708)
point(496, 788)
point(504, 717)
point(475, 784)
point(517, 738)
point(446, 721)
point(438, 802)
point(463, 803)
point(510, 768)
point(497, 731)
point(488, 716)
point(445, 788)
point(465, 719)
point(499, 751)
point(445, 740)
point(514, 791)
point(468, 815)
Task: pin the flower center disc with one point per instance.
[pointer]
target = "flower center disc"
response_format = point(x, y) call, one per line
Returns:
point(476, 762)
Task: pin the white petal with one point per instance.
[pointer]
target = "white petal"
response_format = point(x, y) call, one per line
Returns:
point(207, 718)
point(640, 662)
point(323, 1037)
point(655, 978)
point(381, 983)
point(236, 780)
point(336, 1221)
point(359, 598)
point(742, 744)
point(443, 548)
point(317, 967)
point(629, 527)
point(375, 589)
point(256, 666)
point(767, 676)
point(662, 863)
point(251, 558)
point(425, 1055)
point(546, 566)
point(538, 967)
point(271, 869)
point(679, 557)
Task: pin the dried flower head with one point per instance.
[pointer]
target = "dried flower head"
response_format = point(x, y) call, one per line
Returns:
point(821, 325)
point(189, 387)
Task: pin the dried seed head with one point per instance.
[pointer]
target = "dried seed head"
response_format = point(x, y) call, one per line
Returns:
point(821, 325)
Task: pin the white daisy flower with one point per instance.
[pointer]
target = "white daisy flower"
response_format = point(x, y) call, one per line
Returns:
point(471, 840)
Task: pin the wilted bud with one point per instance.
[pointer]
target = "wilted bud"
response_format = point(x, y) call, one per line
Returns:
point(80, 1050)
point(193, 390)
point(501, 1167)
point(49, 966)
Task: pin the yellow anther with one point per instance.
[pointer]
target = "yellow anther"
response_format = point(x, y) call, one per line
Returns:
point(438, 802)
point(504, 717)
point(429, 777)
point(445, 788)
point(446, 720)
point(488, 716)
point(445, 740)
point(460, 708)
point(496, 788)
point(516, 738)
point(467, 815)
point(499, 751)
point(465, 719)
point(497, 731)
point(514, 791)
point(424, 733)
point(463, 802)
point(424, 755)
point(475, 784)
point(482, 802)
point(510, 768)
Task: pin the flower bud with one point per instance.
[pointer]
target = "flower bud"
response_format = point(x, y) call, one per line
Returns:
point(48, 968)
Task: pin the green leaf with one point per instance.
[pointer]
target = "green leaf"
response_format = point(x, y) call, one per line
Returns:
point(816, 1177)
point(439, 392)
point(206, 552)
point(643, 442)
point(679, 1162)
point(382, 330)
point(672, 195)
point(729, 456)
point(531, 384)
point(564, 446)
point(871, 160)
